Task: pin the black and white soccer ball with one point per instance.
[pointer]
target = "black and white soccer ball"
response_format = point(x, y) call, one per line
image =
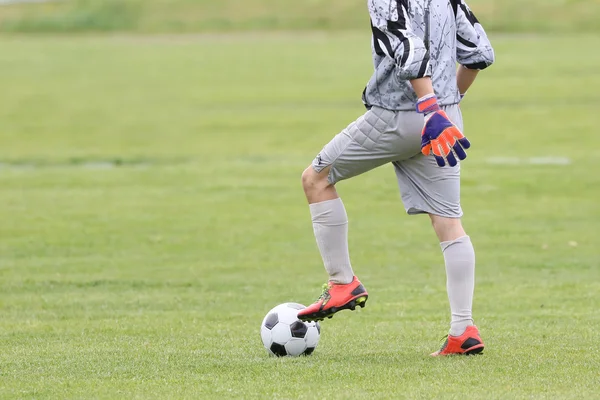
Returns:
point(283, 334)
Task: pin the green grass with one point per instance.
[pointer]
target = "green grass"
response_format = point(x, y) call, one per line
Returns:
point(149, 279)
point(226, 15)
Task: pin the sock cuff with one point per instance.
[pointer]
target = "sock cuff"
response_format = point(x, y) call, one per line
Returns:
point(462, 239)
point(324, 204)
point(329, 212)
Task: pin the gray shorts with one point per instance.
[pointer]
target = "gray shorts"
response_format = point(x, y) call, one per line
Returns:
point(381, 136)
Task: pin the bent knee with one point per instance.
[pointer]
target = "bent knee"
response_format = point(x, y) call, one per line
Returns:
point(312, 179)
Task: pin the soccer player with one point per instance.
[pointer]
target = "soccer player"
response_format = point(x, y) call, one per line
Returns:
point(414, 122)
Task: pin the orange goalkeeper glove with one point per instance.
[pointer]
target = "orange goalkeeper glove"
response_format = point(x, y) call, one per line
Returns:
point(440, 136)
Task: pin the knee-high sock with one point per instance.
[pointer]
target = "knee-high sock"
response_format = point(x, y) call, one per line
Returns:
point(460, 273)
point(330, 224)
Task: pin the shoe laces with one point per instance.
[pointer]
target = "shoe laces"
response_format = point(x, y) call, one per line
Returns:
point(444, 341)
point(325, 293)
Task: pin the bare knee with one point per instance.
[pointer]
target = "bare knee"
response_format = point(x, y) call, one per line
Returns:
point(447, 229)
point(313, 181)
point(316, 185)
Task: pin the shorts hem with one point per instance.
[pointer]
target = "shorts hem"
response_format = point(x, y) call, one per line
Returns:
point(330, 179)
point(427, 210)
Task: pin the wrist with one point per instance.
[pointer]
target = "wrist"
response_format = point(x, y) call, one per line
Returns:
point(427, 104)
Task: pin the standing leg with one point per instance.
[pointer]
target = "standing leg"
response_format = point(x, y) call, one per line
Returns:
point(429, 189)
point(459, 257)
point(460, 282)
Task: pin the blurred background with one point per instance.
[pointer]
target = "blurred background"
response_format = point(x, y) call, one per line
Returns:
point(151, 16)
point(151, 211)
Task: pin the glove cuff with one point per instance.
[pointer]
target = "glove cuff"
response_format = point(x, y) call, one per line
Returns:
point(427, 104)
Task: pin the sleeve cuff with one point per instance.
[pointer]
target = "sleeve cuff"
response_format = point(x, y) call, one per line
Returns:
point(478, 66)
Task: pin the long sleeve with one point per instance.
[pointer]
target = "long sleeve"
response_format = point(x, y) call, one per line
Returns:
point(473, 48)
point(393, 37)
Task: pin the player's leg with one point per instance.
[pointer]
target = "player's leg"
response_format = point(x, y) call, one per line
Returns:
point(362, 146)
point(330, 224)
point(459, 258)
point(429, 189)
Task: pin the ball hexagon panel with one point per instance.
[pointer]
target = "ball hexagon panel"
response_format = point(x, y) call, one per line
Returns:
point(265, 335)
point(281, 333)
point(287, 315)
point(271, 320)
point(295, 347)
point(312, 337)
point(298, 329)
point(278, 350)
point(280, 308)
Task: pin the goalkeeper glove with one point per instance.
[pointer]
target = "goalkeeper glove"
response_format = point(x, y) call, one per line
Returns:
point(440, 136)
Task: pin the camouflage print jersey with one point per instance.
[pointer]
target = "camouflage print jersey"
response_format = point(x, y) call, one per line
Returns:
point(417, 38)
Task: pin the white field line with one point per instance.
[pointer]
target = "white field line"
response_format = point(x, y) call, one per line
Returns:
point(279, 161)
point(529, 161)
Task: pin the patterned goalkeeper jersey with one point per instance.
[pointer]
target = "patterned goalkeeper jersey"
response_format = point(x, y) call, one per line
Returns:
point(417, 38)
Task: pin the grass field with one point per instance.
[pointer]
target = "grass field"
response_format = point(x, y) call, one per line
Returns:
point(151, 213)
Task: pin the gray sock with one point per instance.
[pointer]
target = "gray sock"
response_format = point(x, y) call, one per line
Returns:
point(330, 224)
point(460, 273)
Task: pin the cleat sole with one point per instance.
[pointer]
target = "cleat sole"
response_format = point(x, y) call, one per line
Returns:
point(471, 352)
point(474, 352)
point(362, 301)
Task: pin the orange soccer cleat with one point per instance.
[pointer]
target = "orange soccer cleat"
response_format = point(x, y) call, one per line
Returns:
point(468, 343)
point(335, 297)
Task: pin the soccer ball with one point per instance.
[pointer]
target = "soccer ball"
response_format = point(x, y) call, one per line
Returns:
point(283, 334)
